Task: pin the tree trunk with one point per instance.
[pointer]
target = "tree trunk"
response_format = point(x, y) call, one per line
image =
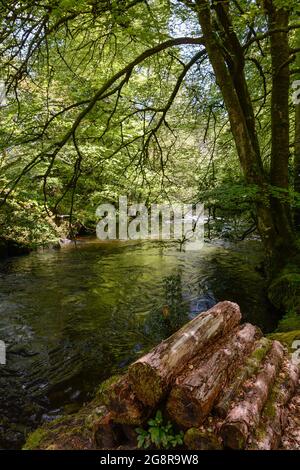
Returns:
point(297, 166)
point(245, 414)
point(297, 144)
point(152, 375)
point(197, 388)
point(280, 152)
point(227, 59)
point(247, 370)
point(268, 434)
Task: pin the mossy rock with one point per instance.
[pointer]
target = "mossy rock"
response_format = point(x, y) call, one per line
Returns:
point(284, 291)
point(289, 322)
point(71, 432)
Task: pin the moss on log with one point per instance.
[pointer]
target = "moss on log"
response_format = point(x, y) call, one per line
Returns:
point(247, 370)
point(202, 439)
point(123, 404)
point(245, 413)
point(267, 435)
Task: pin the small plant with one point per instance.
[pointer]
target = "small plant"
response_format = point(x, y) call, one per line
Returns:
point(158, 434)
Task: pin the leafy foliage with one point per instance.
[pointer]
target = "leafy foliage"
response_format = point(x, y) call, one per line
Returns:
point(158, 434)
point(159, 131)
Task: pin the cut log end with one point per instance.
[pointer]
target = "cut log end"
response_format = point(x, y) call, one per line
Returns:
point(198, 439)
point(234, 435)
point(124, 405)
point(181, 403)
point(147, 385)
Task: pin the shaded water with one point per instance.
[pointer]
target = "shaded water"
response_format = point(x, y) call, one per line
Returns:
point(73, 317)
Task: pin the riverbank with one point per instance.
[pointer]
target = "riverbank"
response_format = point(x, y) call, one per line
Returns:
point(117, 418)
point(71, 318)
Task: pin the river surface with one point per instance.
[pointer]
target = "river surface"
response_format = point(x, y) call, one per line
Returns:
point(72, 317)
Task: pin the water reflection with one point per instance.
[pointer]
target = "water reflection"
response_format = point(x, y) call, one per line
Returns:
point(73, 317)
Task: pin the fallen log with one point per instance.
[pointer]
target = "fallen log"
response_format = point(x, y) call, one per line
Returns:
point(245, 414)
point(247, 370)
point(195, 391)
point(152, 375)
point(290, 439)
point(274, 417)
point(123, 404)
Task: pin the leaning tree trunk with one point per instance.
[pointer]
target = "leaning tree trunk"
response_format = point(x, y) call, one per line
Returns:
point(152, 375)
point(297, 143)
point(280, 119)
point(226, 55)
point(297, 165)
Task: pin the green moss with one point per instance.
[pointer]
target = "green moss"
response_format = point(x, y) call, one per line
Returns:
point(35, 439)
point(290, 322)
point(260, 352)
point(147, 383)
point(74, 431)
point(196, 439)
point(68, 432)
point(286, 338)
point(269, 410)
point(104, 389)
point(260, 433)
point(284, 292)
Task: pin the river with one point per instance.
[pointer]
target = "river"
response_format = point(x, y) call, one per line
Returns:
point(72, 317)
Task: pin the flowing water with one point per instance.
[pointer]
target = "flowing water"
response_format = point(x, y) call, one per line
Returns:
point(71, 318)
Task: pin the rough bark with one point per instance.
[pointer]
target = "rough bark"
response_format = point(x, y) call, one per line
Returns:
point(152, 375)
point(297, 143)
point(123, 404)
point(226, 56)
point(291, 436)
point(268, 434)
point(195, 391)
point(280, 119)
point(245, 413)
point(247, 370)
point(297, 163)
point(239, 111)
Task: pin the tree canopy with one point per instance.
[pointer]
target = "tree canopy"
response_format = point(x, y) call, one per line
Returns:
point(160, 100)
